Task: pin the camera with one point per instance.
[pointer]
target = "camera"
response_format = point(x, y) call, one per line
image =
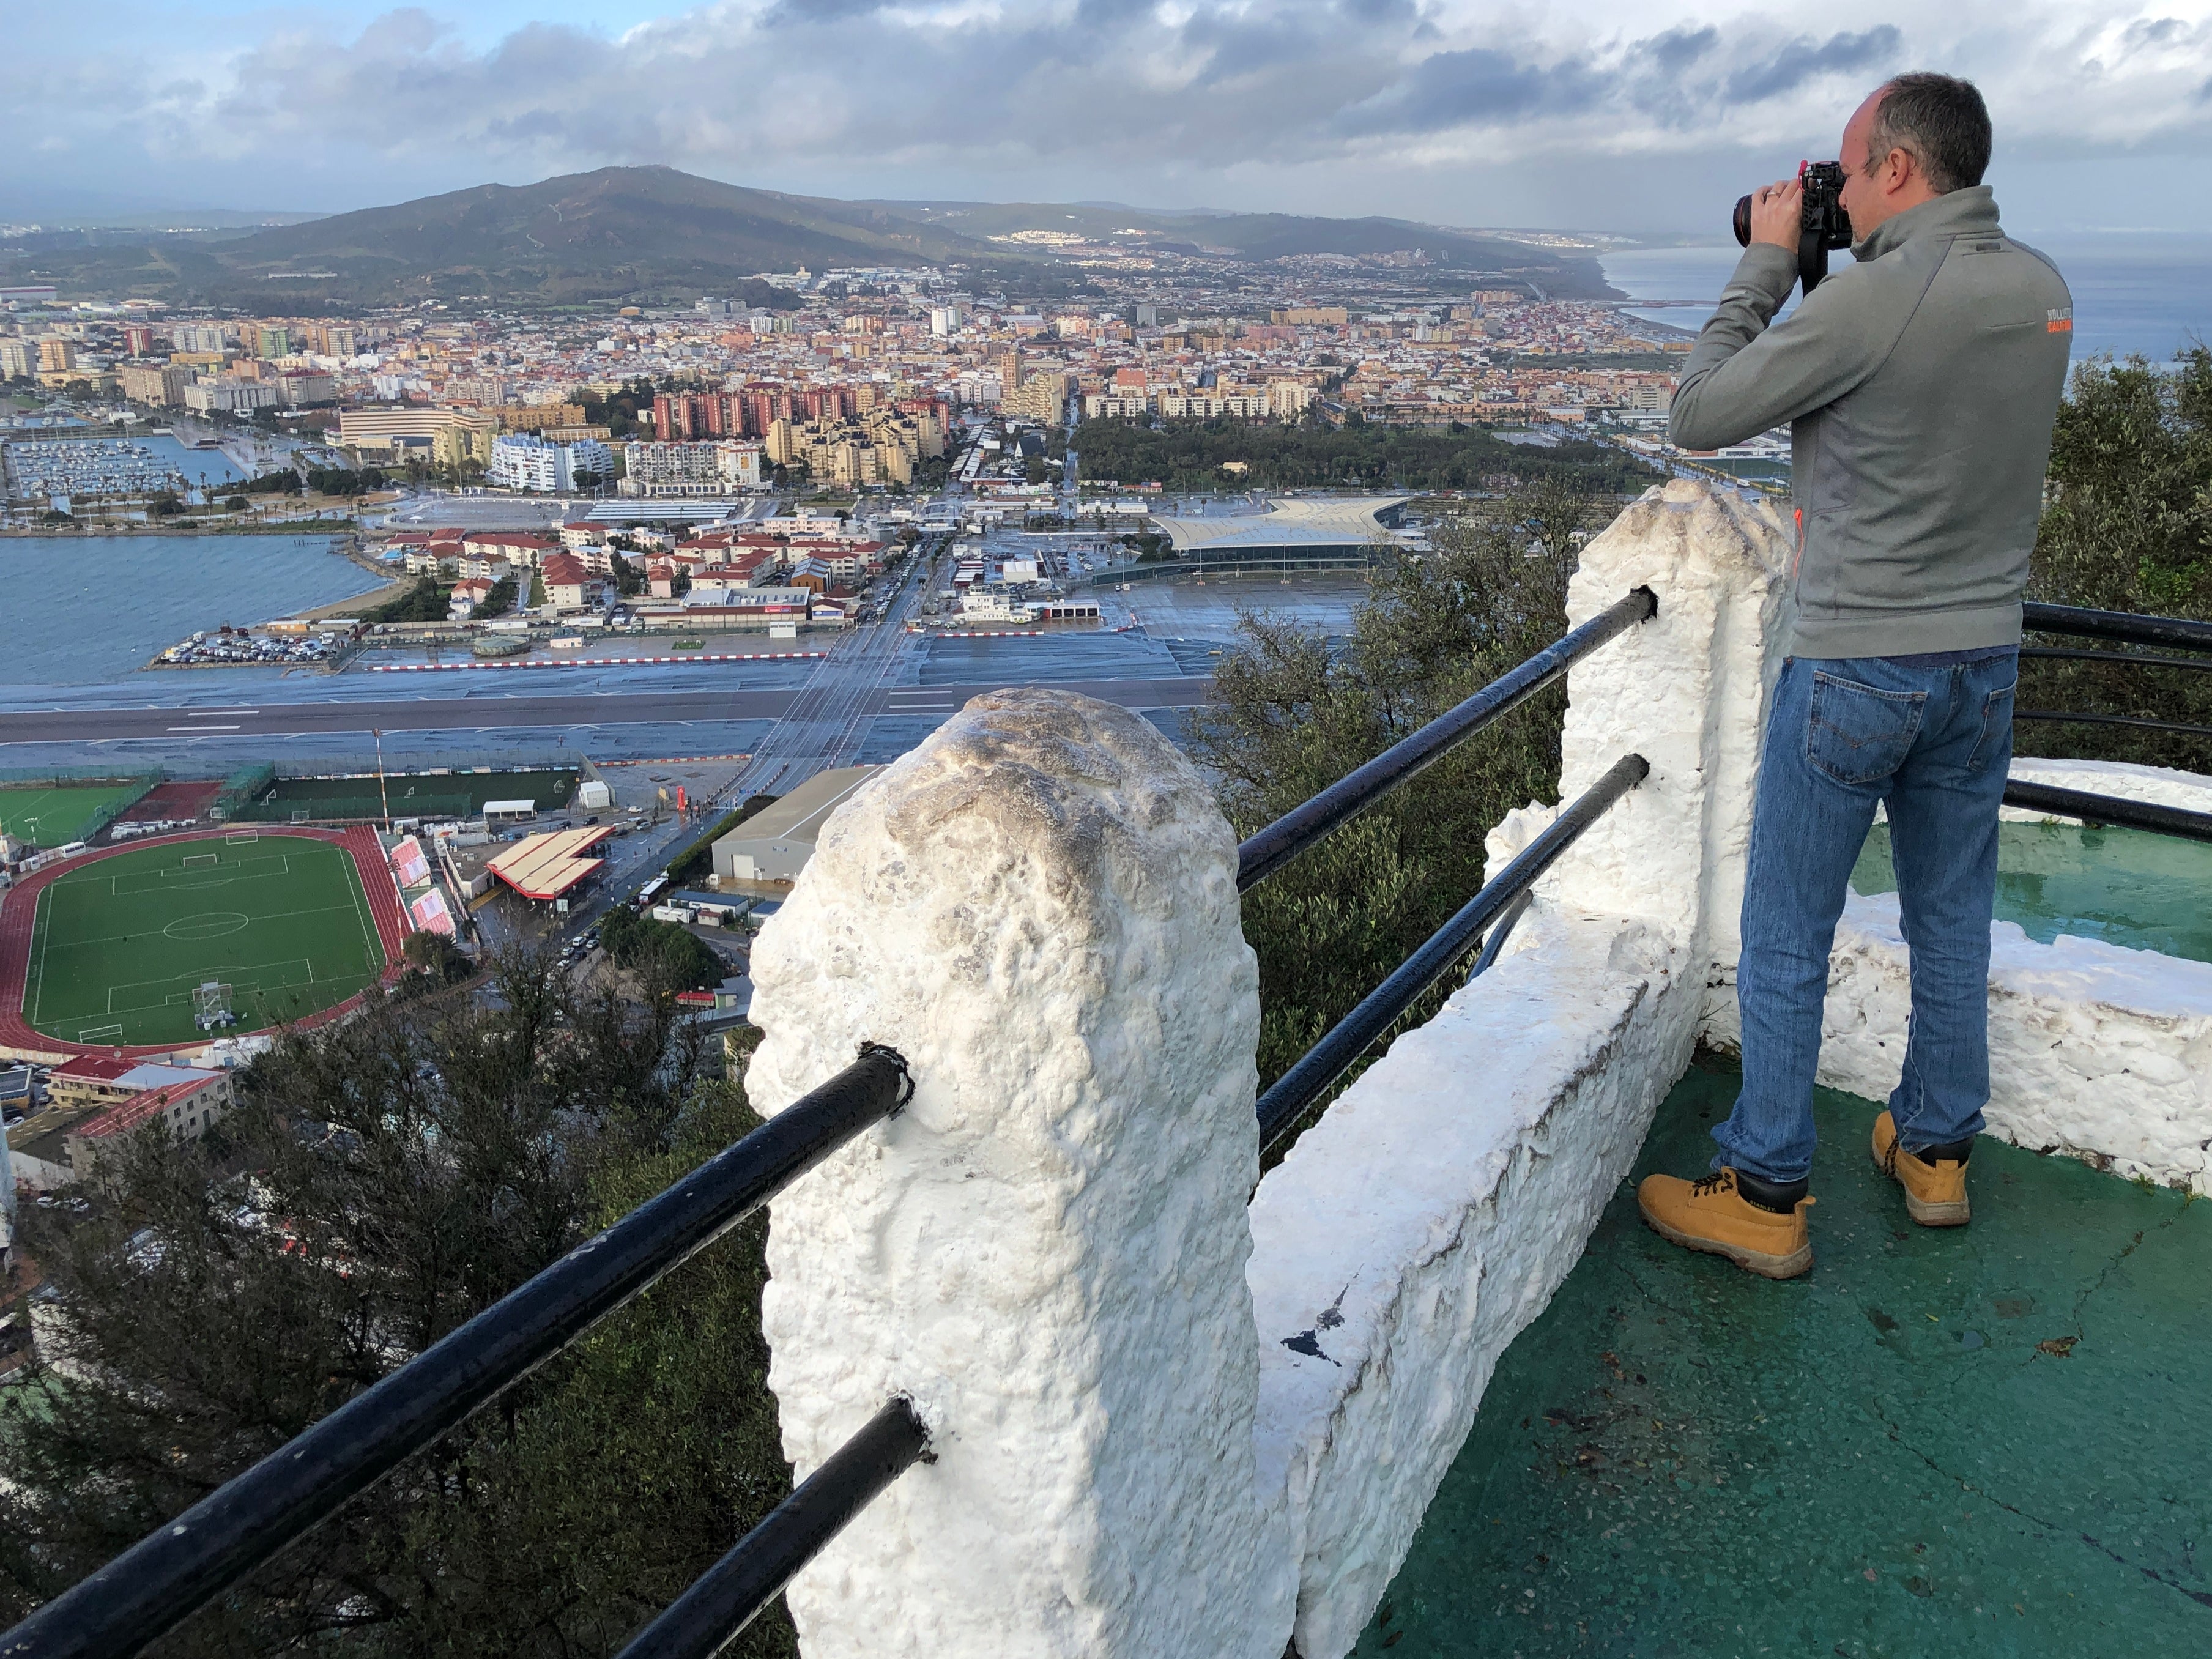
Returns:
point(1822, 225)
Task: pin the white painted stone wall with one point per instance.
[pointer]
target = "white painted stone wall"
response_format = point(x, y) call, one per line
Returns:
point(1431, 1214)
point(1046, 1250)
point(2161, 786)
point(2096, 1051)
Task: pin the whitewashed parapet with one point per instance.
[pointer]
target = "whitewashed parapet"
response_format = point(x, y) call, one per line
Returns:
point(2158, 785)
point(1432, 1212)
point(1046, 1250)
point(2096, 1051)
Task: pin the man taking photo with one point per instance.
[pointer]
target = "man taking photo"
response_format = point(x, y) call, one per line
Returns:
point(1921, 383)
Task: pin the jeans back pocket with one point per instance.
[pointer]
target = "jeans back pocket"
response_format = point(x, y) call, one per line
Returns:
point(1860, 734)
point(1996, 740)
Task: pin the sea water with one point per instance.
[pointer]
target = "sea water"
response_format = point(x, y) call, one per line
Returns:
point(86, 609)
point(2137, 293)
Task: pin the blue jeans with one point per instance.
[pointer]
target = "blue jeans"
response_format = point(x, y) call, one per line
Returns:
point(1936, 744)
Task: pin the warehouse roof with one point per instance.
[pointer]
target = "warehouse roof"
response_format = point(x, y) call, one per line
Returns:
point(799, 816)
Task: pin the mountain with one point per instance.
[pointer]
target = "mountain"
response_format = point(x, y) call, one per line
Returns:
point(634, 232)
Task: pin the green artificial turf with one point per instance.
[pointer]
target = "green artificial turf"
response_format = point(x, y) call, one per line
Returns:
point(455, 794)
point(118, 945)
point(55, 817)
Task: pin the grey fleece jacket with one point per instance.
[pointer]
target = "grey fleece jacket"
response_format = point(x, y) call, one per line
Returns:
point(1921, 384)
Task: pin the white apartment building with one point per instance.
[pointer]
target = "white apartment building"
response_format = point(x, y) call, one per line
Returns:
point(703, 467)
point(523, 461)
point(231, 397)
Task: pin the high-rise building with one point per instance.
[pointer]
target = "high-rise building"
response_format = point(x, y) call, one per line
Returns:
point(137, 338)
point(19, 360)
point(156, 383)
point(1148, 316)
point(341, 340)
point(197, 336)
point(55, 355)
point(523, 462)
point(1010, 371)
point(272, 340)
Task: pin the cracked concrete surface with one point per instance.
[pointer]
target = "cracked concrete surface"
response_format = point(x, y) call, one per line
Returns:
point(1995, 1440)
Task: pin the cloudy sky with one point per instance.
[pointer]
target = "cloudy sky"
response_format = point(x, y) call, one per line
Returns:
point(1596, 114)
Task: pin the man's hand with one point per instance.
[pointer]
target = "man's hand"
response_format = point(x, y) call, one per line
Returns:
point(1777, 214)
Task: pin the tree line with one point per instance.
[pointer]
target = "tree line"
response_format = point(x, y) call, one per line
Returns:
point(1190, 455)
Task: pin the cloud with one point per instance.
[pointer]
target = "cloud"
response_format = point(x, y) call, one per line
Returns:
point(1333, 104)
point(1803, 58)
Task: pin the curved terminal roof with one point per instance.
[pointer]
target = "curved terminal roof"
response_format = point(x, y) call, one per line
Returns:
point(1299, 525)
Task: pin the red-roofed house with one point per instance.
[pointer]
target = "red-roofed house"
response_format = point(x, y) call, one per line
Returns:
point(518, 547)
point(186, 1108)
point(568, 586)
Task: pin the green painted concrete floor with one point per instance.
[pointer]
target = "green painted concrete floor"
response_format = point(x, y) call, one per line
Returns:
point(1990, 1440)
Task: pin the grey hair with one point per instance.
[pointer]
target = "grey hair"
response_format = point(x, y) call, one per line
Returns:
point(1941, 122)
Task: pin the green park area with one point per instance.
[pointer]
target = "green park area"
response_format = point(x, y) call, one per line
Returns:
point(405, 795)
point(55, 816)
point(120, 946)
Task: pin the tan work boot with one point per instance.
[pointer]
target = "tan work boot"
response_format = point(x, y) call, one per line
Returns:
point(1933, 1179)
point(1758, 1225)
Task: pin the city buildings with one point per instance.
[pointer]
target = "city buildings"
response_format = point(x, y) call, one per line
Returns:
point(524, 461)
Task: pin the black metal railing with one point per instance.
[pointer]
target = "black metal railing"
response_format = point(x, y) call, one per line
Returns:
point(2127, 627)
point(2121, 627)
point(2110, 810)
point(167, 1576)
point(1349, 1037)
point(1302, 826)
point(731, 1594)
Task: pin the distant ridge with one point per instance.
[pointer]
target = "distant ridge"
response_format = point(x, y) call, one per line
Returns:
point(625, 231)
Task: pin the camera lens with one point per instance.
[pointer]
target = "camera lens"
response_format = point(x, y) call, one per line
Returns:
point(1743, 221)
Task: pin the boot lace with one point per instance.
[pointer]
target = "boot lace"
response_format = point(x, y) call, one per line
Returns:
point(1720, 1180)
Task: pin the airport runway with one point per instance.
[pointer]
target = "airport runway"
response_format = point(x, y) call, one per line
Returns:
point(502, 713)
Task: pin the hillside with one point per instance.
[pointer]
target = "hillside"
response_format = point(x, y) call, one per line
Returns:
point(646, 231)
point(590, 235)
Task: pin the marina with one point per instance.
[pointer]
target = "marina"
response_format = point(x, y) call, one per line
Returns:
point(72, 467)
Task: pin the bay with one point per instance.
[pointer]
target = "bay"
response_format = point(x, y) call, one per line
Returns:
point(2133, 292)
point(88, 609)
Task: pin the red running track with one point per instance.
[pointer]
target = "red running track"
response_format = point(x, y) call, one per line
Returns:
point(19, 911)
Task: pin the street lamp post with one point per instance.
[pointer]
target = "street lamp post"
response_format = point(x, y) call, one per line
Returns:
point(383, 794)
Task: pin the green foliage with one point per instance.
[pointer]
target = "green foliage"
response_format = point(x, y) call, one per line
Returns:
point(1187, 455)
point(344, 480)
point(618, 410)
point(537, 589)
point(629, 579)
point(2127, 525)
point(282, 482)
point(433, 962)
point(660, 951)
point(423, 602)
point(379, 1183)
point(1295, 713)
point(499, 600)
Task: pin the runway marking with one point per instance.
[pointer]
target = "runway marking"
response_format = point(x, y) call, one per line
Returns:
point(204, 729)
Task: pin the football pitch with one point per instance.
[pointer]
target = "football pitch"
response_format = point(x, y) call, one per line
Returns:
point(54, 817)
point(120, 945)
